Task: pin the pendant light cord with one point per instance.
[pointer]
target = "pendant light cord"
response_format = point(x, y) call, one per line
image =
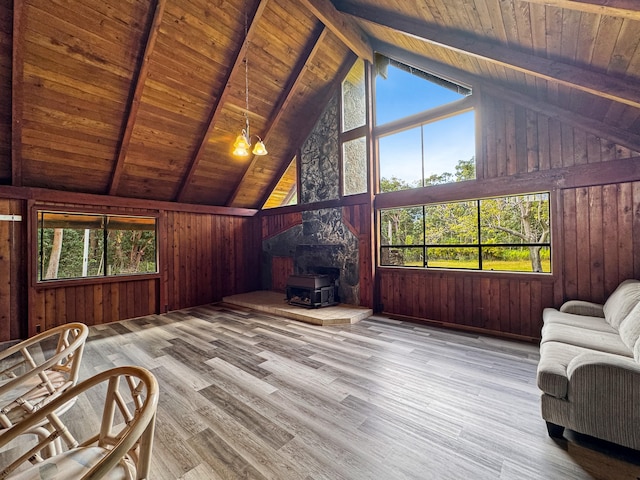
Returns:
point(246, 72)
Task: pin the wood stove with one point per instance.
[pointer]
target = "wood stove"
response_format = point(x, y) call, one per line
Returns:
point(311, 291)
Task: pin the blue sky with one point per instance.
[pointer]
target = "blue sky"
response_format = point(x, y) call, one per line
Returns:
point(446, 141)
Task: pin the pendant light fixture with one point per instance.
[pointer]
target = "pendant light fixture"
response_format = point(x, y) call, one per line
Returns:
point(243, 141)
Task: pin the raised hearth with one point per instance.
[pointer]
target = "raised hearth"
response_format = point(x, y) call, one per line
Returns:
point(276, 304)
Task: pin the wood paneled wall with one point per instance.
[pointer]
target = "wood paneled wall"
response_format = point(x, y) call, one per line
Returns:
point(596, 238)
point(600, 239)
point(209, 257)
point(6, 42)
point(508, 304)
point(358, 219)
point(274, 223)
point(281, 269)
point(202, 257)
point(93, 304)
point(518, 140)
point(12, 269)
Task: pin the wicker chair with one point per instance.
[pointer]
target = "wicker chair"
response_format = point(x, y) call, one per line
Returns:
point(120, 449)
point(37, 371)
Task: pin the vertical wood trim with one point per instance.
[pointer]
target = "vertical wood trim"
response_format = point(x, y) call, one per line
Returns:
point(136, 95)
point(17, 91)
point(163, 259)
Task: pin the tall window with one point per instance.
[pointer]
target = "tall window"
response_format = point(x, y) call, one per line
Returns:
point(77, 245)
point(502, 234)
point(425, 128)
point(354, 131)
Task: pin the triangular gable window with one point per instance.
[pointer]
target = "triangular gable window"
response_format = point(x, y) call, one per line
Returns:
point(286, 191)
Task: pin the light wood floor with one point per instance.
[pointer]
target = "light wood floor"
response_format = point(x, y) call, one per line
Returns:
point(245, 395)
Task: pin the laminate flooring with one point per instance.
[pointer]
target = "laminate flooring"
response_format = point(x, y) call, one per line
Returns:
point(246, 395)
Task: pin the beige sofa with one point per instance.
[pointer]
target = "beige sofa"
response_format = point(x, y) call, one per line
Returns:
point(589, 370)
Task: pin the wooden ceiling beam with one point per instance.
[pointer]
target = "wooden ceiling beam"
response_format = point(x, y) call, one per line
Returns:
point(629, 9)
point(238, 65)
point(342, 26)
point(134, 103)
point(595, 127)
point(592, 82)
point(286, 97)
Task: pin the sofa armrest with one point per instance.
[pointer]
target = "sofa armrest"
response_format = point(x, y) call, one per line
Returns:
point(580, 307)
point(604, 394)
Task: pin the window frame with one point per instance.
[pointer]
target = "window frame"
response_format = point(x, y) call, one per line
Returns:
point(476, 246)
point(89, 280)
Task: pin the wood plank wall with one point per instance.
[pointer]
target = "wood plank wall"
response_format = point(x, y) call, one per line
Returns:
point(281, 269)
point(498, 303)
point(601, 239)
point(518, 140)
point(209, 257)
point(359, 220)
point(203, 257)
point(6, 42)
point(93, 304)
point(596, 245)
point(12, 268)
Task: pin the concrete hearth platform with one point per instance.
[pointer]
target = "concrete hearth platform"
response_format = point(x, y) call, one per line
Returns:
point(275, 303)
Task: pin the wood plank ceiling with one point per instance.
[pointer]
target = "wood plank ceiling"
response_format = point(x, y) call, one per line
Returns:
point(143, 98)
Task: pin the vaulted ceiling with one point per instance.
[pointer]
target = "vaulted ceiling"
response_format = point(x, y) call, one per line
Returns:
point(143, 98)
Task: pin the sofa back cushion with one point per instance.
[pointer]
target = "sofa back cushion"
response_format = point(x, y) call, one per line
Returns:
point(630, 328)
point(621, 302)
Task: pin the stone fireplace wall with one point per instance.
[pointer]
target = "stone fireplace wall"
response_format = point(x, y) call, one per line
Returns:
point(322, 241)
point(320, 158)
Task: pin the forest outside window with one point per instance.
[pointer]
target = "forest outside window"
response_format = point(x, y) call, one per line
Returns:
point(500, 234)
point(78, 245)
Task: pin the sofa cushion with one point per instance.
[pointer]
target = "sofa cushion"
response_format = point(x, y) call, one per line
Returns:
point(551, 315)
point(552, 369)
point(621, 302)
point(630, 328)
point(594, 340)
point(636, 351)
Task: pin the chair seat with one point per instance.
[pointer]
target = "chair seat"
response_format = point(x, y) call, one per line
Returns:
point(73, 464)
point(31, 395)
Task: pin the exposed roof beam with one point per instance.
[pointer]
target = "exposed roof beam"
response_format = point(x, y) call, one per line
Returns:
point(222, 98)
point(134, 104)
point(614, 8)
point(342, 26)
point(589, 81)
point(308, 124)
point(286, 97)
point(614, 134)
